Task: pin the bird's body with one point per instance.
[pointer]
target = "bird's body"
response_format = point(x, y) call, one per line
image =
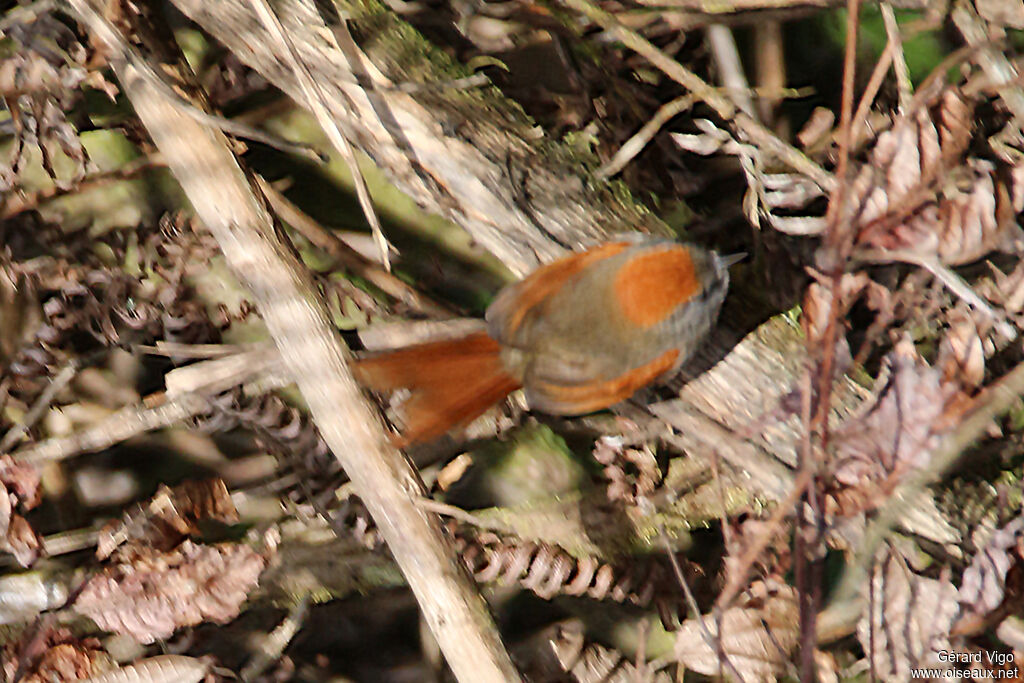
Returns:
point(579, 335)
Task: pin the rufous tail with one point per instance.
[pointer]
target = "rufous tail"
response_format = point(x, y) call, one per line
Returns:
point(452, 382)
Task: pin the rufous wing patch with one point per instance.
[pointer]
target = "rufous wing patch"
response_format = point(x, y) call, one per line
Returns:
point(650, 286)
point(586, 398)
point(515, 303)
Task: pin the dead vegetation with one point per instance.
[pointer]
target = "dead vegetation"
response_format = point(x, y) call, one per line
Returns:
point(833, 491)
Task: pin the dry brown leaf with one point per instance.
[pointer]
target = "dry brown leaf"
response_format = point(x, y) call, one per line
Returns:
point(19, 485)
point(22, 541)
point(972, 217)
point(817, 308)
point(52, 656)
point(917, 194)
point(907, 620)
point(631, 472)
point(155, 593)
point(64, 663)
point(984, 581)
point(1007, 290)
point(961, 353)
point(1001, 12)
point(169, 516)
point(21, 480)
point(897, 432)
point(548, 570)
point(757, 637)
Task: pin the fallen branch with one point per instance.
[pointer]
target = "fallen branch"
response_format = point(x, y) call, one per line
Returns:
point(475, 159)
point(189, 391)
point(222, 194)
point(314, 99)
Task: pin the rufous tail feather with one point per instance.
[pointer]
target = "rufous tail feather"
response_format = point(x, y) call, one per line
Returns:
point(452, 382)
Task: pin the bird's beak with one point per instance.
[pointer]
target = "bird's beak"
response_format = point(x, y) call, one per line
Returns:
point(731, 259)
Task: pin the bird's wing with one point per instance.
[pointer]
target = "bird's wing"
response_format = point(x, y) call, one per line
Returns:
point(518, 301)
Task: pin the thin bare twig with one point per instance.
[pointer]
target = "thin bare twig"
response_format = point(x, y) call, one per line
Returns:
point(770, 70)
point(838, 238)
point(205, 351)
point(347, 256)
point(272, 646)
point(878, 77)
point(69, 541)
point(457, 513)
point(808, 591)
point(739, 577)
point(120, 426)
point(727, 60)
point(631, 147)
point(836, 249)
point(714, 642)
point(874, 84)
point(315, 97)
point(899, 62)
point(240, 129)
point(159, 410)
point(992, 61)
point(58, 382)
point(15, 203)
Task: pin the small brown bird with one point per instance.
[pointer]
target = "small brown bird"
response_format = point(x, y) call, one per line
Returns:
point(578, 335)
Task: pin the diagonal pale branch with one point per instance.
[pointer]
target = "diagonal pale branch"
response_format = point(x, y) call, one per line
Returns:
point(223, 197)
point(892, 30)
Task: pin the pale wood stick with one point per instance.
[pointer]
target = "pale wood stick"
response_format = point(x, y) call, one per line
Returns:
point(222, 194)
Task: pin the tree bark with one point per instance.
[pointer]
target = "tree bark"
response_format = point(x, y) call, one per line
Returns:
point(471, 156)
